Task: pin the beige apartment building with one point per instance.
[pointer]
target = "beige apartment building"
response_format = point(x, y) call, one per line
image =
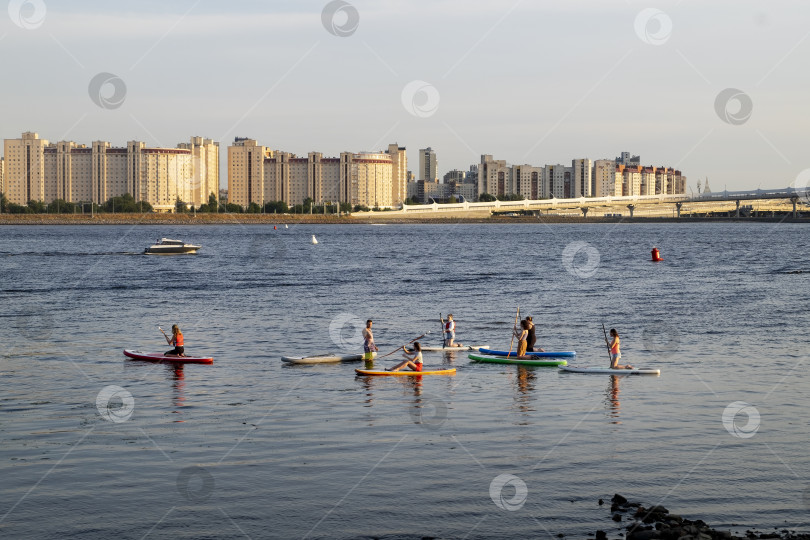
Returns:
point(2, 172)
point(257, 174)
point(42, 171)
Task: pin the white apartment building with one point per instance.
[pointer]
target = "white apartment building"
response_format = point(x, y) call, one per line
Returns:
point(2, 173)
point(42, 171)
point(604, 178)
point(428, 167)
point(528, 181)
point(582, 178)
point(257, 174)
point(558, 179)
point(494, 176)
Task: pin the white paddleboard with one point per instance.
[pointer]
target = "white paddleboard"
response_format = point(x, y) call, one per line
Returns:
point(323, 358)
point(453, 349)
point(604, 370)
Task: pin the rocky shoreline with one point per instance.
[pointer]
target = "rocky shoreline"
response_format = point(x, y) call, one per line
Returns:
point(277, 219)
point(656, 522)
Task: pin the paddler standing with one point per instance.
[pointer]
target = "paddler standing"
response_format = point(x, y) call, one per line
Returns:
point(450, 332)
point(368, 345)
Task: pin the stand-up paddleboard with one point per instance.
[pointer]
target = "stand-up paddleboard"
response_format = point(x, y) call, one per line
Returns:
point(322, 358)
point(404, 372)
point(428, 348)
point(492, 359)
point(160, 357)
point(603, 370)
point(546, 354)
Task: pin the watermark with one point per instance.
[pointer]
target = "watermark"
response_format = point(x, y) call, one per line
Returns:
point(661, 339)
point(340, 18)
point(802, 185)
point(653, 26)
point(733, 106)
point(346, 331)
point(195, 484)
point(500, 484)
point(420, 98)
point(27, 14)
point(115, 404)
point(430, 413)
point(733, 411)
point(581, 259)
point(107, 90)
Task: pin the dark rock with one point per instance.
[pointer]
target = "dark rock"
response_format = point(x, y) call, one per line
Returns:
point(674, 518)
point(659, 509)
point(617, 517)
point(769, 535)
point(601, 535)
point(615, 507)
point(644, 535)
point(618, 499)
point(601, 502)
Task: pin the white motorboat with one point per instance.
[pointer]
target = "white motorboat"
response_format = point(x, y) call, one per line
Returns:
point(167, 246)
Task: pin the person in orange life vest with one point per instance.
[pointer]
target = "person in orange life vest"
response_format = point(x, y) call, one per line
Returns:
point(177, 341)
point(450, 332)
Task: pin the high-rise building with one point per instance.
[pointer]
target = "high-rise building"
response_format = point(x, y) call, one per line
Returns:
point(257, 174)
point(399, 182)
point(626, 159)
point(494, 176)
point(528, 181)
point(2, 174)
point(582, 180)
point(205, 158)
point(42, 171)
point(428, 167)
point(557, 181)
point(604, 178)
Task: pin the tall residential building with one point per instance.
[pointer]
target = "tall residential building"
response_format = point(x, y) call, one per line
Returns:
point(631, 179)
point(528, 181)
point(454, 177)
point(42, 171)
point(604, 178)
point(626, 159)
point(399, 182)
point(257, 174)
point(494, 176)
point(2, 173)
point(557, 180)
point(428, 168)
point(582, 178)
point(205, 157)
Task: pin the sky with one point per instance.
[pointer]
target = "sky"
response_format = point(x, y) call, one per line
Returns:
point(718, 90)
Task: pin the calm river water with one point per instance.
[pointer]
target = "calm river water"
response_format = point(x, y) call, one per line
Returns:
point(96, 446)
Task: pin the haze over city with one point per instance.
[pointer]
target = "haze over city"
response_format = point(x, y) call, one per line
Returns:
point(715, 92)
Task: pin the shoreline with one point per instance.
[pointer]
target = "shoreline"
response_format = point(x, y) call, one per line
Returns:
point(281, 219)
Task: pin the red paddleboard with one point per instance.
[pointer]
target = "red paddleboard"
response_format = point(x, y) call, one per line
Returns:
point(160, 357)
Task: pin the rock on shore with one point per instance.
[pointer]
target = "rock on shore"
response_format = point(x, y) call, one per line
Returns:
point(656, 522)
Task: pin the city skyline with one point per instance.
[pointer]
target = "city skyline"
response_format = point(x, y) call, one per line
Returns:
point(476, 79)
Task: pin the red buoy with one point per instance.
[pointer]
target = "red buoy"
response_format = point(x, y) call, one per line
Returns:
point(656, 256)
point(274, 228)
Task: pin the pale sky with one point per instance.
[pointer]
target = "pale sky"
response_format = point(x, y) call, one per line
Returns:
point(527, 81)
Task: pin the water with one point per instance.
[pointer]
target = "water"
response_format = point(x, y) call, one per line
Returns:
point(250, 447)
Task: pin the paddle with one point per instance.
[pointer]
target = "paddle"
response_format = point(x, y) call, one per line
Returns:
point(403, 346)
point(444, 341)
point(517, 315)
point(169, 341)
point(607, 343)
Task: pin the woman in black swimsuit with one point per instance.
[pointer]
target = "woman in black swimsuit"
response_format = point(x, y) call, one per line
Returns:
point(532, 338)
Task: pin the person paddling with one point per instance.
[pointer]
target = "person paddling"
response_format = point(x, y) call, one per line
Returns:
point(450, 332)
point(176, 340)
point(615, 351)
point(413, 359)
point(368, 345)
point(521, 334)
point(531, 338)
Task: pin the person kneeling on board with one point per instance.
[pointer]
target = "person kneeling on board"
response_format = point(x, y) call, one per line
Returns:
point(177, 341)
point(413, 359)
point(531, 338)
point(615, 351)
